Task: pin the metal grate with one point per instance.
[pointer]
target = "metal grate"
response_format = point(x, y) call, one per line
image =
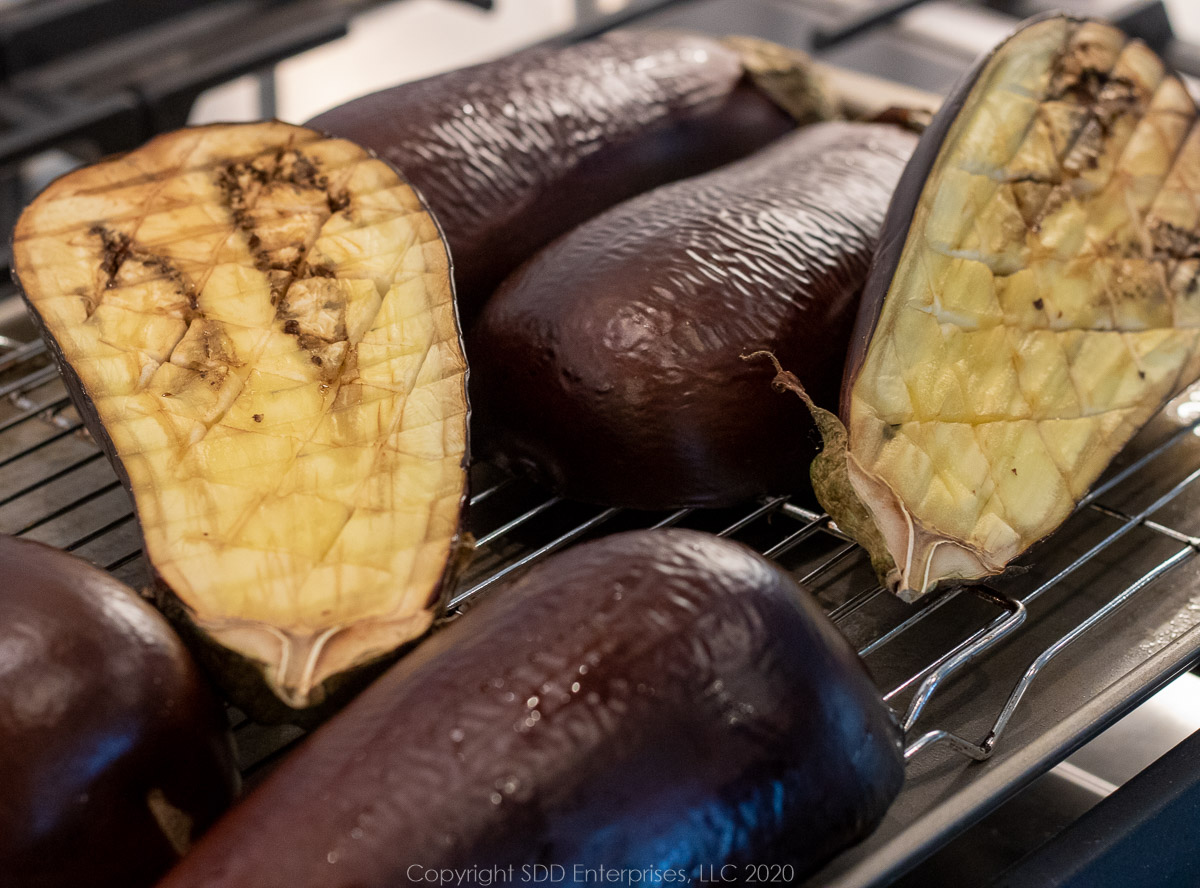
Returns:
point(55, 486)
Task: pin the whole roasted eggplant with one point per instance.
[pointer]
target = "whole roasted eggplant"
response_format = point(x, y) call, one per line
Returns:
point(257, 323)
point(1033, 303)
point(514, 152)
point(114, 755)
point(657, 700)
point(611, 365)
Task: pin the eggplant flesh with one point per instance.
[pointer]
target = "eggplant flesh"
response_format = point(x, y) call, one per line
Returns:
point(511, 153)
point(1034, 302)
point(257, 323)
point(656, 699)
point(116, 755)
point(621, 344)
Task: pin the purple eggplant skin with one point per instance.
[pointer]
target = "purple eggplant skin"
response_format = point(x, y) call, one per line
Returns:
point(656, 699)
point(610, 365)
point(113, 752)
point(512, 153)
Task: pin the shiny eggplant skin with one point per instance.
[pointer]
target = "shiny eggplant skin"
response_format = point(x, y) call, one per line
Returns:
point(657, 699)
point(113, 752)
point(611, 365)
point(512, 153)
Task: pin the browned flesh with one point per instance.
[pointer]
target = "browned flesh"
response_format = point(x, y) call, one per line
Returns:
point(258, 321)
point(1045, 304)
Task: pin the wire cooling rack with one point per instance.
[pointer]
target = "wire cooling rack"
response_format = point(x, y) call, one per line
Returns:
point(56, 487)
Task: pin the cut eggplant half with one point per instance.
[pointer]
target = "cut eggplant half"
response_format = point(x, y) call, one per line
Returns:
point(1035, 300)
point(257, 323)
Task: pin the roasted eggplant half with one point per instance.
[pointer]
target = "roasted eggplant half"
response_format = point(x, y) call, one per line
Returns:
point(257, 323)
point(514, 152)
point(1035, 300)
point(654, 700)
point(114, 753)
point(611, 364)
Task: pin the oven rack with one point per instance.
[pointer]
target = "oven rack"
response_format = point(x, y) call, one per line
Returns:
point(56, 487)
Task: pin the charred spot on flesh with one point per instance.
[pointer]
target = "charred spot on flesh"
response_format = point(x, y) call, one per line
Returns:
point(1173, 242)
point(283, 166)
point(115, 247)
point(299, 170)
point(1105, 98)
point(1074, 79)
point(118, 249)
point(241, 183)
point(337, 200)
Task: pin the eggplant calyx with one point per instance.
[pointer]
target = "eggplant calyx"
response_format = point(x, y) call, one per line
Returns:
point(786, 76)
point(830, 473)
point(843, 488)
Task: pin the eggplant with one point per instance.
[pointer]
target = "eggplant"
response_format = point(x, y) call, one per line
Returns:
point(611, 365)
point(114, 754)
point(257, 323)
point(662, 700)
point(1034, 302)
point(514, 152)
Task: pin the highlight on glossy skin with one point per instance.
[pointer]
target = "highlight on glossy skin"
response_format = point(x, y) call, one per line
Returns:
point(653, 699)
point(257, 322)
point(115, 756)
point(1034, 303)
point(611, 365)
point(517, 151)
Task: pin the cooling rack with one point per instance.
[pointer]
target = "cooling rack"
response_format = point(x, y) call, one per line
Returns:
point(981, 652)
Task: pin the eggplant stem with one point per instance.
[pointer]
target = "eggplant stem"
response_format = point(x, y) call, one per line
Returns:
point(787, 77)
point(830, 473)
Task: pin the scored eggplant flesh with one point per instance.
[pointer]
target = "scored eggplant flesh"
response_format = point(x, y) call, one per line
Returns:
point(258, 323)
point(1035, 301)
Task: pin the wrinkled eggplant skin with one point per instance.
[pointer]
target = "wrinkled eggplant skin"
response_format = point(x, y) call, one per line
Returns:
point(99, 706)
point(610, 365)
point(654, 699)
point(512, 153)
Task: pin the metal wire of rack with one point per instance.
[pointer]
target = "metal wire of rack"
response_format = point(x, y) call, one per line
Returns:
point(56, 487)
